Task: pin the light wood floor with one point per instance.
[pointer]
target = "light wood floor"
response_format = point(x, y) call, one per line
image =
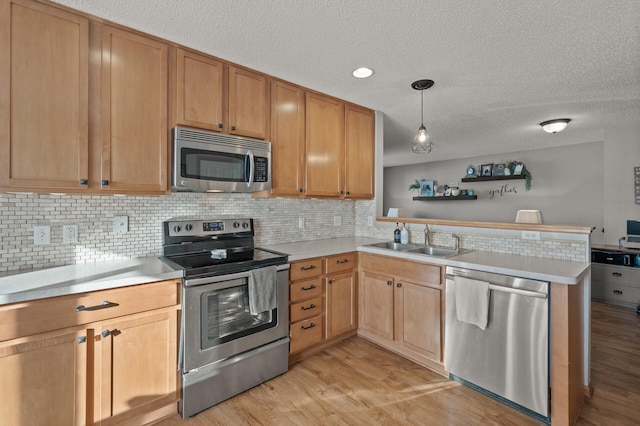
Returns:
point(359, 383)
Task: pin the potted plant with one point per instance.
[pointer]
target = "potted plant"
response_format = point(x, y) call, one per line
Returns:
point(518, 168)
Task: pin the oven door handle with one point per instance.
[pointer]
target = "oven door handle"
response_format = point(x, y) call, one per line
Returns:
point(216, 279)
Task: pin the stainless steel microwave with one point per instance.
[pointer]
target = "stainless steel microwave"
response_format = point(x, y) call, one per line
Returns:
point(206, 161)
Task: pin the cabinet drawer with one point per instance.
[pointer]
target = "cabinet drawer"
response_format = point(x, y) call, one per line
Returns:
point(340, 262)
point(38, 316)
point(619, 275)
point(306, 333)
point(306, 309)
point(613, 292)
point(305, 269)
point(305, 289)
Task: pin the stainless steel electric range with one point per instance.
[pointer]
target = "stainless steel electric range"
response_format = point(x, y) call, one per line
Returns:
point(234, 329)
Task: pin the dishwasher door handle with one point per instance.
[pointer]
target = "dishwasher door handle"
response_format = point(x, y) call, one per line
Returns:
point(504, 289)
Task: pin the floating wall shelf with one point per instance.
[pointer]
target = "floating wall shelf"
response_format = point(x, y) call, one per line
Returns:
point(445, 198)
point(487, 178)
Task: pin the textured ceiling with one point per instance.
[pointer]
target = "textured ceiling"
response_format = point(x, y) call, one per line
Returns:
point(500, 66)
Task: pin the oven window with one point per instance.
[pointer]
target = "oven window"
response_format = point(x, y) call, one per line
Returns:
point(209, 165)
point(226, 316)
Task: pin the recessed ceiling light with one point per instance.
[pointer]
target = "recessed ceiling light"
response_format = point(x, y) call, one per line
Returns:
point(555, 126)
point(363, 72)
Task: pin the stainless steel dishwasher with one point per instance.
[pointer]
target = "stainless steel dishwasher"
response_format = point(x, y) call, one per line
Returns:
point(510, 357)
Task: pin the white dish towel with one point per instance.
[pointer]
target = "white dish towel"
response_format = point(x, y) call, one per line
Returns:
point(262, 289)
point(472, 301)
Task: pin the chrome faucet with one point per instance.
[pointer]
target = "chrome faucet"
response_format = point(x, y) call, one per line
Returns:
point(426, 235)
point(456, 240)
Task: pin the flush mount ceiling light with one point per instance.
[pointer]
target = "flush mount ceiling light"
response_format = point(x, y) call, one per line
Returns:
point(422, 144)
point(362, 72)
point(555, 126)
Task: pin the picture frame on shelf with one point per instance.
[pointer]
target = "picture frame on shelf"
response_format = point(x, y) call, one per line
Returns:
point(498, 170)
point(485, 169)
point(426, 188)
point(517, 170)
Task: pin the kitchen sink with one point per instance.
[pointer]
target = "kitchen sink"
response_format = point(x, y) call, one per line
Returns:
point(437, 251)
point(419, 249)
point(390, 245)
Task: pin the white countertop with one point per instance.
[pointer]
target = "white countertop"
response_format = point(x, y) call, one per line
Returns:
point(83, 277)
point(536, 268)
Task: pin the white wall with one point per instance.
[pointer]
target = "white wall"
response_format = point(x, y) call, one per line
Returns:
point(621, 155)
point(567, 187)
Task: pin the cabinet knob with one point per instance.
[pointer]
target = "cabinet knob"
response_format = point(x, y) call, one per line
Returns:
point(220, 126)
point(330, 281)
point(300, 190)
point(399, 285)
point(233, 127)
point(84, 181)
point(105, 182)
point(105, 333)
point(389, 282)
point(82, 339)
point(348, 193)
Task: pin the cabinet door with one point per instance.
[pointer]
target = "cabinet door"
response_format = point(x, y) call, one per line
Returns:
point(198, 90)
point(418, 321)
point(248, 103)
point(43, 379)
point(287, 139)
point(359, 152)
point(139, 365)
point(133, 113)
point(44, 76)
point(376, 304)
point(341, 315)
point(324, 146)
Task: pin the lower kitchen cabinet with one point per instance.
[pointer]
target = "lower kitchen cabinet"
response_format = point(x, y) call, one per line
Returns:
point(323, 303)
point(618, 285)
point(401, 307)
point(106, 357)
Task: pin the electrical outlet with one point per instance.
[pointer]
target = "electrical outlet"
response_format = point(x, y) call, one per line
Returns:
point(42, 234)
point(370, 220)
point(337, 221)
point(69, 233)
point(530, 235)
point(301, 223)
point(121, 224)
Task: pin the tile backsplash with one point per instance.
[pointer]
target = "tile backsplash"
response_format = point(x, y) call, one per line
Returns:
point(276, 221)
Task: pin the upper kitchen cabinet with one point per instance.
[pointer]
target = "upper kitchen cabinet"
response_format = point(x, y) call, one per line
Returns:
point(359, 152)
point(287, 139)
point(209, 94)
point(248, 103)
point(324, 143)
point(132, 109)
point(43, 97)
point(197, 95)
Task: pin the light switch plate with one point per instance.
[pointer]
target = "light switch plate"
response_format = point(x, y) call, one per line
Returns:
point(42, 234)
point(530, 235)
point(301, 223)
point(69, 233)
point(121, 224)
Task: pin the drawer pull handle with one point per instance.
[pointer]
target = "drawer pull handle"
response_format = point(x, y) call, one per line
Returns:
point(617, 274)
point(618, 292)
point(302, 268)
point(302, 327)
point(104, 305)
point(311, 306)
point(339, 262)
point(82, 339)
point(311, 287)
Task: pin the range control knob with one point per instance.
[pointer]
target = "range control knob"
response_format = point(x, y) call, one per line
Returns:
point(176, 228)
point(183, 182)
point(188, 227)
point(236, 224)
point(245, 225)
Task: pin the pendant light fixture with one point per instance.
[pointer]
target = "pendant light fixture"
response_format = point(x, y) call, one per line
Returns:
point(422, 144)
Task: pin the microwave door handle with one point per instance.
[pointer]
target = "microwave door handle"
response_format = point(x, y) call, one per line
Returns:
point(251, 166)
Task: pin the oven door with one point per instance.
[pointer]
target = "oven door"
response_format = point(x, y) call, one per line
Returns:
point(218, 324)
